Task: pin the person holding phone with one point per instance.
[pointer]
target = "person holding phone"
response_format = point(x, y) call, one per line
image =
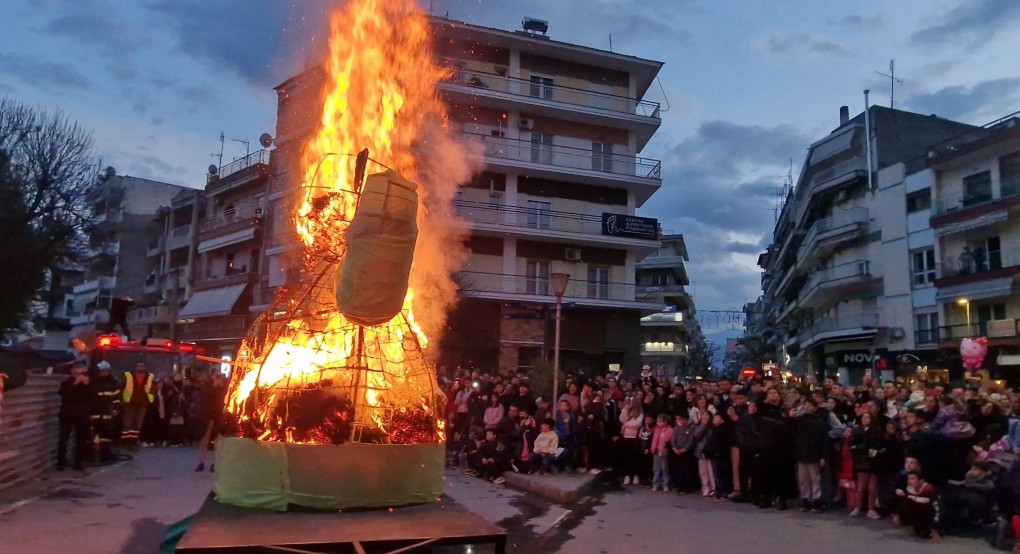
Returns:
point(76, 400)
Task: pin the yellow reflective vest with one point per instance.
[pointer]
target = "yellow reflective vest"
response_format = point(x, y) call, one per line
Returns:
point(129, 387)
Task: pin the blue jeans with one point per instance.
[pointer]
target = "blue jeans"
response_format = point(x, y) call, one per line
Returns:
point(660, 471)
point(545, 461)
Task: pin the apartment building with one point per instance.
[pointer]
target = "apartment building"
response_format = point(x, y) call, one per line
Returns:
point(839, 275)
point(975, 218)
point(666, 335)
point(560, 129)
point(122, 208)
point(204, 266)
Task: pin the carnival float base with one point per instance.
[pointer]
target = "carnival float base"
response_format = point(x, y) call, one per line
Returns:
point(278, 476)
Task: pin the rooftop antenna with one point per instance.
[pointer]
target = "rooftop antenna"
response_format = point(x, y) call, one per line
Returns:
point(893, 81)
point(219, 157)
point(247, 145)
point(610, 42)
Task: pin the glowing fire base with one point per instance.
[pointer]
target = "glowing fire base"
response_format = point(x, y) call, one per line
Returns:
point(275, 475)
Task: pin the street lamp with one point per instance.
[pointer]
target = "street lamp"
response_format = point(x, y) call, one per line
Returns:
point(965, 303)
point(559, 286)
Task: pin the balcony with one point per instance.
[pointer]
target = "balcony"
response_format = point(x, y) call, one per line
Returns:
point(154, 315)
point(258, 160)
point(244, 213)
point(548, 224)
point(664, 349)
point(961, 213)
point(823, 287)
point(862, 326)
point(567, 162)
point(180, 237)
point(109, 215)
point(498, 286)
point(230, 277)
point(214, 328)
point(155, 249)
point(828, 233)
point(954, 333)
point(95, 284)
point(839, 175)
point(561, 102)
point(966, 267)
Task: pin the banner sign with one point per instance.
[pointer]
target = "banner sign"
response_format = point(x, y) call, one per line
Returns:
point(630, 226)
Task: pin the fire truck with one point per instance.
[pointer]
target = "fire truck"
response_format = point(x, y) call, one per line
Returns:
point(162, 357)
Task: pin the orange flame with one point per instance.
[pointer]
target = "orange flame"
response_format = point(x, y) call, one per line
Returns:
point(380, 94)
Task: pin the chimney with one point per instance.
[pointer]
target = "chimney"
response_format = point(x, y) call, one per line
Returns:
point(844, 115)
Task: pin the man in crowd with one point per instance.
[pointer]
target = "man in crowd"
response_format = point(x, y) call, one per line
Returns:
point(137, 397)
point(106, 408)
point(76, 400)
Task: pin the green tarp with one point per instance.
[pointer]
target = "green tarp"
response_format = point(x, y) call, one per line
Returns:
point(272, 475)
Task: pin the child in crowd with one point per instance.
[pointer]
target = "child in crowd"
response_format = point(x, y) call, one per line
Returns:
point(662, 436)
point(920, 507)
point(645, 436)
point(705, 471)
point(543, 457)
point(847, 480)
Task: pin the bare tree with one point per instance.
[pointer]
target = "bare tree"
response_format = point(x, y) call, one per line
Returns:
point(46, 169)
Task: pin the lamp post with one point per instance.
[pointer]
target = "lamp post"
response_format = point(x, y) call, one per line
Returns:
point(966, 304)
point(559, 285)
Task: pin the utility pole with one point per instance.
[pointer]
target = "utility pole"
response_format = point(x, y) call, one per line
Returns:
point(219, 156)
point(175, 304)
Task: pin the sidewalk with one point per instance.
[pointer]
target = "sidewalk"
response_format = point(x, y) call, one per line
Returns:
point(123, 508)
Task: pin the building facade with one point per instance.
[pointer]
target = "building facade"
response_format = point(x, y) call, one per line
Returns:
point(975, 219)
point(559, 128)
point(122, 208)
point(666, 335)
point(839, 293)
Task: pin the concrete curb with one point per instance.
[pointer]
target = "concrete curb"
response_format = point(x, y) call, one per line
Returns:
point(562, 489)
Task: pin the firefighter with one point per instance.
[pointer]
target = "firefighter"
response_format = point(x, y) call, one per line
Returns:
point(137, 397)
point(106, 408)
point(75, 400)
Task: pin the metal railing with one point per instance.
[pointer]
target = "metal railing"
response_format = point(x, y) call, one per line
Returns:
point(963, 330)
point(835, 275)
point(231, 214)
point(152, 314)
point(960, 201)
point(476, 281)
point(977, 260)
point(839, 220)
point(255, 158)
point(850, 322)
point(567, 156)
point(28, 429)
point(533, 218)
point(556, 93)
point(926, 336)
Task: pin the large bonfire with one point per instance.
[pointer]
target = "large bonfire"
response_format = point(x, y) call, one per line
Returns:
point(307, 373)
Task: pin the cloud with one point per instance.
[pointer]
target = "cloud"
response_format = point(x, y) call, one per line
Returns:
point(89, 27)
point(42, 73)
point(873, 23)
point(719, 190)
point(810, 45)
point(985, 100)
point(971, 23)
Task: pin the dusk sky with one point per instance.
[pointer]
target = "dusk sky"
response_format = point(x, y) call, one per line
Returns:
point(748, 85)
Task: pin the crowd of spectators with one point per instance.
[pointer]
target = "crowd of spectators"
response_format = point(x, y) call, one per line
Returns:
point(935, 458)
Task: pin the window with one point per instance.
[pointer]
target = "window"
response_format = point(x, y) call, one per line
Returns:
point(538, 214)
point(991, 312)
point(661, 280)
point(1009, 174)
point(254, 265)
point(542, 87)
point(601, 156)
point(541, 148)
point(919, 200)
point(923, 268)
point(229, 265)
point(977, 188)
point(981, 255)
point(927, 328)
point(598, 282)
point(537, 281)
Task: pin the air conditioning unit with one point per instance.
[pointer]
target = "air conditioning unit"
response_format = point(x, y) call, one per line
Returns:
point(572, 254)
point(526, 123)
point(897, 333)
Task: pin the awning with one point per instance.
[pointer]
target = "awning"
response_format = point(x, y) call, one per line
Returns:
point(973, 223)
point(832, 146)
point(212, 302)
point(247, 233)
point(992, 288)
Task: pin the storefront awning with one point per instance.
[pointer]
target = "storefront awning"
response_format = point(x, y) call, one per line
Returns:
point(212, 302)
point(984, 290)
point(972, 223)
point(226, 240)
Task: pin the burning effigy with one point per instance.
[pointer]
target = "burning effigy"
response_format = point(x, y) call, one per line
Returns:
point(332, 403)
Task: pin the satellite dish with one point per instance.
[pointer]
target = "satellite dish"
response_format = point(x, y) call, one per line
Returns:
point(213, 169)
point(266, 140)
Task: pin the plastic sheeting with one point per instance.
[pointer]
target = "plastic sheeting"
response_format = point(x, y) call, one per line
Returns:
point(273, 475)
point(380, 247)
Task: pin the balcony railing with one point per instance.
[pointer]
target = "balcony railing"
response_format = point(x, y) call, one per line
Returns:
point(831, 278)
point(529, 218)
point(557, 93)
point(957, 202)
point(567, 157)
point(977, 261)
point(478, 282)
point(962, 331)
point(255, 158)
point(846, 220)
point(150, 315)
point(926, 336)
point(214, 327)
point(849, 323)
point(231, 215)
